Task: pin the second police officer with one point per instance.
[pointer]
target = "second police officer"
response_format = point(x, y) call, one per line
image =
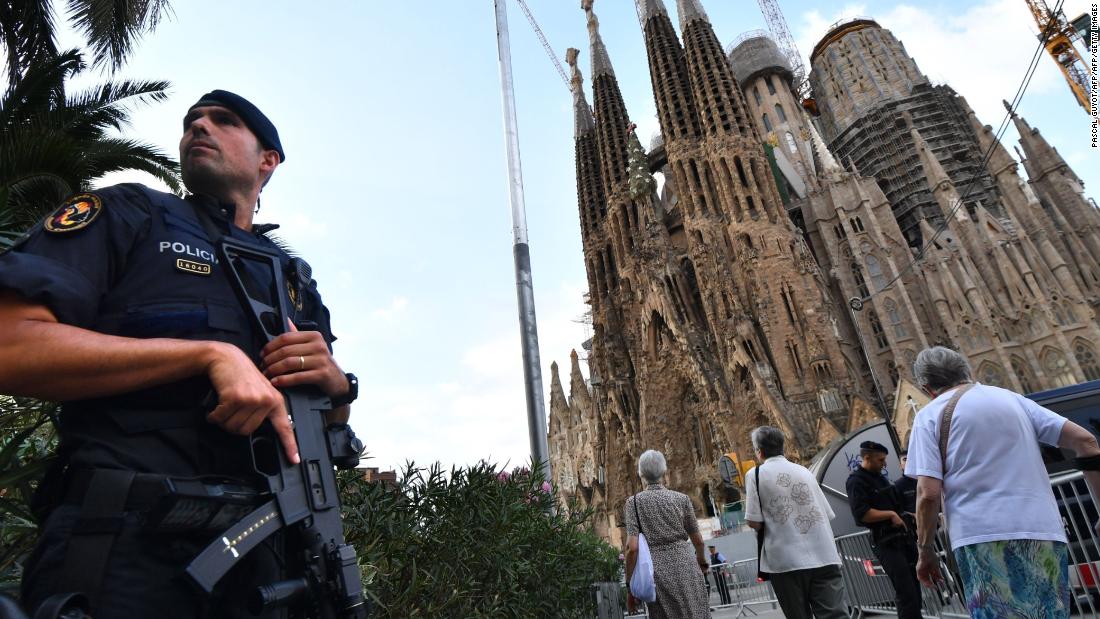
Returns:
point(876, 505)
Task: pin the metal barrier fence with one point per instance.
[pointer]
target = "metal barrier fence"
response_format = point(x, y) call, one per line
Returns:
point(1079, 514)
point(610, 599)
point(744, 590)
point(871, 592)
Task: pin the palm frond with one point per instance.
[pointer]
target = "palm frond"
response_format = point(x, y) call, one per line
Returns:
point(26, 34)
point(113, 27)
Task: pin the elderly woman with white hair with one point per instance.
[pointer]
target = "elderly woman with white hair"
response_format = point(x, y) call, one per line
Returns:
point(977, 446)
point(667, 519)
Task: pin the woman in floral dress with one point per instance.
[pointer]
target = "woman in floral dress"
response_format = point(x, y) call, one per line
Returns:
point(668, 522)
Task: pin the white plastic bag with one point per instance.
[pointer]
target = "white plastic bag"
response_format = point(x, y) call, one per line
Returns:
point(642, 585)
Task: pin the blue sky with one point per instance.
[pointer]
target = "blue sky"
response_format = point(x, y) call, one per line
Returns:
point(395, 190)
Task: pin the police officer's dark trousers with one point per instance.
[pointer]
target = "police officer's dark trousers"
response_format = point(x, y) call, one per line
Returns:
point(898, 558)
point(721, 584)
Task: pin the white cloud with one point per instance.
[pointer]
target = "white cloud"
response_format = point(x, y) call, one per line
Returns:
point(479, 410)
point(397, 307)
point(298, 226)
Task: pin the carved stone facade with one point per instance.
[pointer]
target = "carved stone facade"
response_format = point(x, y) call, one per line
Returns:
point(721, 303)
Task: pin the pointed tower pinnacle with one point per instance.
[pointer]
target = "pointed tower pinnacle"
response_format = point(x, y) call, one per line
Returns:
point(829, 166)
point(938, 180)
point(1043, 157)
point(668, 73)
point(601, 62)
point(578, 388)
point(557, 393)
point(690, 10)
point(611, 117)
point(999, 159)
point(582, 113)
point(649, 8)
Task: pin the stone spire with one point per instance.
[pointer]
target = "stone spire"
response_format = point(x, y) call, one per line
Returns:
point(1042, 158)
point(557, 393)
point(718, 99)
point(668, 73)
point(690, 10)
point(960, 223)
point(829, 166)
point(611, 117)
point(938, 181)
point(999, 159)
point(591, 199)
point(601, 62)
point(578, 389)
point(582, 112)
point(648, 9)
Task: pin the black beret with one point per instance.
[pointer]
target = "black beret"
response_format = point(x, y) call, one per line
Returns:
point(251, 115)
point(873, 446)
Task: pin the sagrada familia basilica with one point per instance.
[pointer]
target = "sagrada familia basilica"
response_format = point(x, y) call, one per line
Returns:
point(794, 262)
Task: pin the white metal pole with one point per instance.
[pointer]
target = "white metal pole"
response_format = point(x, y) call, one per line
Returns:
point(529, 336)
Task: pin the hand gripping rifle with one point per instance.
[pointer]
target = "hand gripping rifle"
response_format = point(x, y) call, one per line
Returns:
point(325, 582)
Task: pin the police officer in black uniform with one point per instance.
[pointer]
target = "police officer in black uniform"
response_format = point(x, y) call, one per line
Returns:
point(116, 306)
point(876, 505)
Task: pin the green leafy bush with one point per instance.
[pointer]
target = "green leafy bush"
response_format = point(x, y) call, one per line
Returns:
point(474, 542)
point(27, 442)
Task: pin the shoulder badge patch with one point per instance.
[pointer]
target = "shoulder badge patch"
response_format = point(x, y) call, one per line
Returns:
point(76, 213)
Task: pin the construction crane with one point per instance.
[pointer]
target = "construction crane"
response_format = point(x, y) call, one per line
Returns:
point(1058, 35)
point(777, 24)
point(545, 44)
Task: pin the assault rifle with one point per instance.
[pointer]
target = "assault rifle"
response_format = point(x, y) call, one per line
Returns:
point(325, 581)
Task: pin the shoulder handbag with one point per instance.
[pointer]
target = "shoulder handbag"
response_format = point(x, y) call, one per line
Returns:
point(642, 585)
point(761, 575)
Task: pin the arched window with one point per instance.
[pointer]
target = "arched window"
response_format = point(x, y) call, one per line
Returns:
point(767, 122)
point(991, 374)
point(878, 280)
point(1023, 373)
point(861, 286)
point(1057, 368)
point(791, 144)
point(756, 95)
point(771, 86)
point(780, 114)
point(894, 316)
point(1086, 358)
point(876, 329)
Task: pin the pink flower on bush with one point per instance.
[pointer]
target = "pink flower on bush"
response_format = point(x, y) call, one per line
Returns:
point(503, 476)
point(546, 487)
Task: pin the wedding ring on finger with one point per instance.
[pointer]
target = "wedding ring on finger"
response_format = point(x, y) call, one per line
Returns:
point(301, 363)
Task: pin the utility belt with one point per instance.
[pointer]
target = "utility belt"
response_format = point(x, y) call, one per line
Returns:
point(893, 537)
point(165, 504)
